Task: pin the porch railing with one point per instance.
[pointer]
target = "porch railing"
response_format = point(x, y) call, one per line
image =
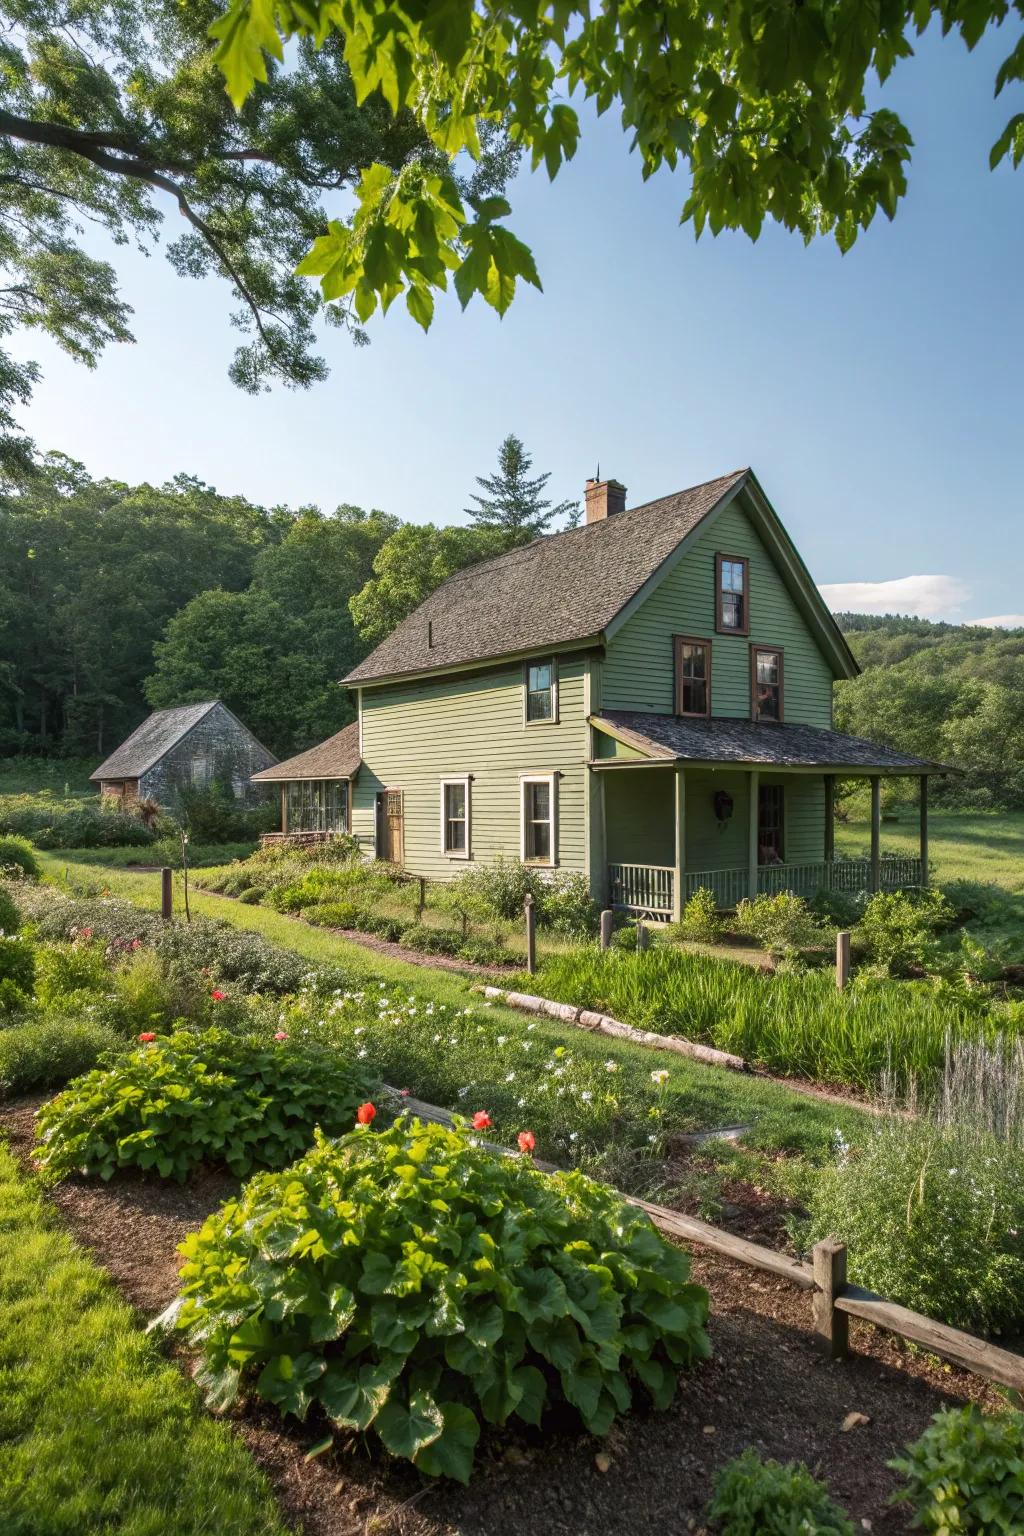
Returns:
point(645, 890)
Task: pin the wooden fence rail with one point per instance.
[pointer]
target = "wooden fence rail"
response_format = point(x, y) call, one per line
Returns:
point(834, 1300)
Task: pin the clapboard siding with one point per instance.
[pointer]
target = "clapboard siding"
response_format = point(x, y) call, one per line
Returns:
point(638, 668)
point(417, 734)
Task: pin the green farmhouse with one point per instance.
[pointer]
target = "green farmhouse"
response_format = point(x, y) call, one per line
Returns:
point(646, 699)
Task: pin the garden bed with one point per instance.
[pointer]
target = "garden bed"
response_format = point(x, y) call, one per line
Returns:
point(767, 1385)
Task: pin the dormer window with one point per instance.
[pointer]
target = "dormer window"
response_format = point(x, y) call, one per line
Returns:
point(541, 681)
point(732, 597)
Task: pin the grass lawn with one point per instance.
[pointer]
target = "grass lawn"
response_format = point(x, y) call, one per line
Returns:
point(101, 1434)
point(29, 775)
point(963, 845)
point(701, 1096)
point(200, 855)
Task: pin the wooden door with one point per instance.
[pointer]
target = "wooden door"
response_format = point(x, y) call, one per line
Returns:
point(392, 827)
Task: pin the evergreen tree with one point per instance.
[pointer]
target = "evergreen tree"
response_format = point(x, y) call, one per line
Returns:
point(512, 501)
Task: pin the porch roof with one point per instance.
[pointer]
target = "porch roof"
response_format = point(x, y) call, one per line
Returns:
point(670, 738)
point(335, 758)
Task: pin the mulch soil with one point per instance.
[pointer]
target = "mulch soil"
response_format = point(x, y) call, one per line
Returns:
point(766, 1386)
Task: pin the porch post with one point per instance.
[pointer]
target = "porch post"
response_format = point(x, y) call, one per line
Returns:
point(830, 822)
point(597, 847)
point(679, 864)
point(754, 779)
point(876, 832)
point(924, 829)
point(284, 807)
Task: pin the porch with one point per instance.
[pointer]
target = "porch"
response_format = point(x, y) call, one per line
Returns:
point(736, 807)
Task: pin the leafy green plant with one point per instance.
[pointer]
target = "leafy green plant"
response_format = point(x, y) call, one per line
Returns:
point(16, 853)
point(330, 914)
point(48, 1053)
point(17, 965)
point(966, 1474)
point(413, 1283)
point(10, 914)
point(701, 920)
point(764, 1498)
point(68, 976)
point(566, 906)
point(192, 1097)
point(934, 1218)
point(898, 928)
point(432, 941)
point(782, 923)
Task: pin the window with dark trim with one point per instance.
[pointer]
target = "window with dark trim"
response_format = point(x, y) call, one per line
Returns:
point(693, 675)
point(771, 824)
point(732, 596)
point(541, 691)
point(766, 692)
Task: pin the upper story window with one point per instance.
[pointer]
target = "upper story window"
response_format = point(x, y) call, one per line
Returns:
point(693, 676)
point(538, 819)
point(455, 818)
point(541, 691)
point(766, 682)
point(732, 597)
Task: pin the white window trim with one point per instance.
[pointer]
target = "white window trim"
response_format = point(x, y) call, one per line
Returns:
point(540, 661)
point(466, 780)
point(551, 780)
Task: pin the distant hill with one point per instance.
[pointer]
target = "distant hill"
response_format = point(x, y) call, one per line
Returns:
point(953, 693)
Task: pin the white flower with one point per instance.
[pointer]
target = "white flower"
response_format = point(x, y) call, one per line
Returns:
point(510, 1077)
point(574, 1135)
point(586, 1097)
point(521, 1103)
point(359, 1030)
point(652, 1138)
point(611, 1066)
point(500, 1039)
point(529, 1026)
point(463, 1091)
point(437, 1039)
point(659, 1077)
point(363, 1052)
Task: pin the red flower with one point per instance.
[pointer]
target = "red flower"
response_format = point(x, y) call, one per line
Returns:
point(147, 1037)
point(217, 995)
point(404, 1092)
point(281, 1035)
point(527, 1141)
point(85, 933)
point(365, 1113)
point(482, 1120)
point(136, 943)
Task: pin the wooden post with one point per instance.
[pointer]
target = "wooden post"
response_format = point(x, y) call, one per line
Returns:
point(831, 1327)
point(876, 832)
point(842, 959)
point(284, 808)
point(643, 938)
point(830, 823)
point(679, 865)
point(166, 894)
point(924, 829)
point(754, 779)
point(607, 918)
point(422, 901)
point(531, 935)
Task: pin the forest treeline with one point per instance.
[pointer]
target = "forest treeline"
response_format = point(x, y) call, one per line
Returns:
point(116, 599)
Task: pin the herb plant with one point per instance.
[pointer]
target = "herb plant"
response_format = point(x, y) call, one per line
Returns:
point(965, 1476)
point(194, 1097)
point(764, 1498)
point(411, 1282)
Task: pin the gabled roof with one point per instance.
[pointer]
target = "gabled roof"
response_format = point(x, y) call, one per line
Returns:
point(335, 758)
point(152, 740)
point(561, 589)
point(670, 738)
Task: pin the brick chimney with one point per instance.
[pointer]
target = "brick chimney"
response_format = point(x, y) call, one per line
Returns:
point(604, 499)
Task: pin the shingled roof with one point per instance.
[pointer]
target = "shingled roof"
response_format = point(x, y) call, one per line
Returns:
point(559, 589)
point(151, 741)
point(335, 758)
point(754, 743)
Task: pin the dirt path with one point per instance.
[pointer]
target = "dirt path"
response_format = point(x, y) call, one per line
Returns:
point(767, 1386)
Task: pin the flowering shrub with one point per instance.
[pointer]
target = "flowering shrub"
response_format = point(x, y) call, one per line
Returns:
point(190, 1097)
point(764, 1498)
point(415, 1284)
point(966, 1474)
point(934, 1218)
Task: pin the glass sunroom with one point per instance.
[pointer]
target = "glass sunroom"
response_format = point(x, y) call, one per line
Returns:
point(316, 790)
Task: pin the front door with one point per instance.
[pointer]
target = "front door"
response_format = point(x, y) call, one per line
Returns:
point(392, 833)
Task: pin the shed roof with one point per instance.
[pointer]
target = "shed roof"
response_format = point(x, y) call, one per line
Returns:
point(670, 738)
point(335, 758)
point(152, 740)
point(562, 588)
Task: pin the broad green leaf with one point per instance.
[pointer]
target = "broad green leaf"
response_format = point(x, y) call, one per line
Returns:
point(406, 1428)
point(451, 1454)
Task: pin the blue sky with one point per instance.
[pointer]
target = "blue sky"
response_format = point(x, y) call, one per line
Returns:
point(877, 395)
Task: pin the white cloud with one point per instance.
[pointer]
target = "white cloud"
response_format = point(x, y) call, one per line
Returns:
point(927, 597)
point(1001, 621)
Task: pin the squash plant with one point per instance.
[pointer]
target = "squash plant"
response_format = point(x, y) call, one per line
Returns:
point(411, 1282)
point(200, 1096)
